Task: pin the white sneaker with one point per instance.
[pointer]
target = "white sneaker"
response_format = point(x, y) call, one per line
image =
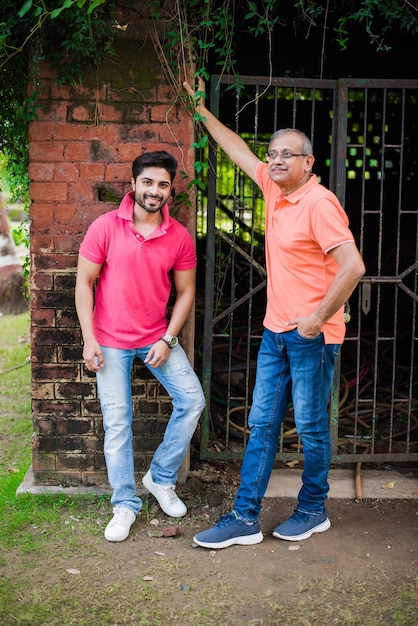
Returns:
point(119, 526)
point(166, 497)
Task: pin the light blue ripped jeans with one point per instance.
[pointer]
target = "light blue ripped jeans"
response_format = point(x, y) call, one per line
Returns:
point(115, 393)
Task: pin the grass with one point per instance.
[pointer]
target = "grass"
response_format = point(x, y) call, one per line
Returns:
point(46, 540)
point(15, 420)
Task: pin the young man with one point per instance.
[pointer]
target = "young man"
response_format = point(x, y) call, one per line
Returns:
point(313, 266)
point(131, 252)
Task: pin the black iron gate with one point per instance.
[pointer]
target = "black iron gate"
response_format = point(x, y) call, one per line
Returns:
point(365, 138)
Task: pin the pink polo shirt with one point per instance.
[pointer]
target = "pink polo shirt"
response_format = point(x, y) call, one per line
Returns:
point(301, 229)
point(134, 282)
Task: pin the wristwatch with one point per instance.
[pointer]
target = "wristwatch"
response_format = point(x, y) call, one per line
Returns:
point(170, 340)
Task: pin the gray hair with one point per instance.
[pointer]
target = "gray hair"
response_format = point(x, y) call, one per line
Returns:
point(306, 142)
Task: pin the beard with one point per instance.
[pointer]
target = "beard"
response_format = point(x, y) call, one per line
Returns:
point(149, 202)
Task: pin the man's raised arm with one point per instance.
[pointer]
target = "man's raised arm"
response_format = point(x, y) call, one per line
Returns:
point(231, 143)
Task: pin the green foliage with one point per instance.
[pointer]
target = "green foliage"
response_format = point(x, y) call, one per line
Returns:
point(379, 18)
point(71, 36)
point(74, 34)
point(204, 33)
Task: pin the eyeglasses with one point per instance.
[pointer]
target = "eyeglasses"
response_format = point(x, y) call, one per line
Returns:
point(286, 154)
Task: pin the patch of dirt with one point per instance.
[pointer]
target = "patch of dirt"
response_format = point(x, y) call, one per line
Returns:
point(354, 574)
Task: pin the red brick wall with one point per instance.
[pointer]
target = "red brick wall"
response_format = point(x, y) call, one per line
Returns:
point(76, 166)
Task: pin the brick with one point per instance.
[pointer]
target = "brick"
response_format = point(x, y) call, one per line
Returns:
point(163, 113)
point(67, 172)
point(62, 300)
point(63, 478)
point(41, 242)
point(76, 461)
point(56, 111)
point(44, 426)
point(92, 171)
point(147, 406)
point(118, 171)
point(76, 151)
point(67, 319)
point(46, 151)
point(43, 462)
point(90, 479)
point(55, 336)
point(98, 423)
point(102, 151)
point(166, 409)
point(62, 92)
point(42, 281)
point(82, 113)
point(40, 131)
point(55, 262)
point(64, 282)
point(45, 444)
point(129, 151)
point(46, 70)
point(74, 390)
point(146, 445)
point(73, 426)
point(94, 444)
point(44, 391)
point(52, 371)
point(100, 462)
point(48, 192)
point(57, 408)
point(82, 193)
point(108, 113)
point(141, 464)
point(85, 132)
point(65, 244)
point(44, 172)
point(69, 444)
point(70, 353)
point(71, 215)
point(42, 317)
point(43, 354)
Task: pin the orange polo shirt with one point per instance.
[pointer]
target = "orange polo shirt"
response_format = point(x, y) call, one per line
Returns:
point(301, 229)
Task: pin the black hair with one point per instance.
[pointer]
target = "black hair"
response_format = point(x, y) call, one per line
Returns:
point(158, 158)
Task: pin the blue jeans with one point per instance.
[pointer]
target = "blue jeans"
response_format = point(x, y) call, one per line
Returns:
point(114, 389)
point(289, 366)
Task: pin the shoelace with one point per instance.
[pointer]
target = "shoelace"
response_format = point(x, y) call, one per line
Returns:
point(226, 519)
point(170, 493)
point(119, 516)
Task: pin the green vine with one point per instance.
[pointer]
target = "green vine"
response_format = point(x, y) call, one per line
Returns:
point(80, 30)
point(74, 34)
point(203, 34)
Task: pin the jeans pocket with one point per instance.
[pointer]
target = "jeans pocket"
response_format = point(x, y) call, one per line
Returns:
point(307, 338)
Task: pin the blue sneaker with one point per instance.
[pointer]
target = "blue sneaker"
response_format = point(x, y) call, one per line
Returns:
point(228, 531)
point(301, 526)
